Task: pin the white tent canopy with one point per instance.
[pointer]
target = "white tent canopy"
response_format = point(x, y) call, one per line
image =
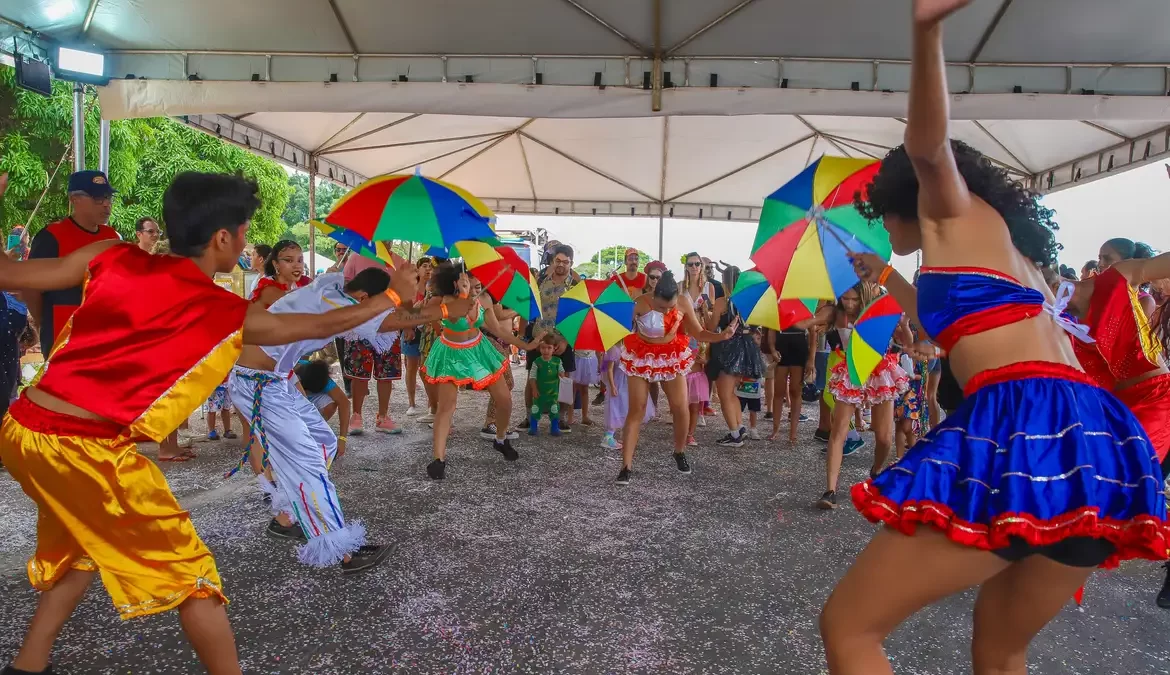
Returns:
point(683, 108)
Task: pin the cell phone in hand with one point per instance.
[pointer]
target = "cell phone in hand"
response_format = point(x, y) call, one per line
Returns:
point(13, 241)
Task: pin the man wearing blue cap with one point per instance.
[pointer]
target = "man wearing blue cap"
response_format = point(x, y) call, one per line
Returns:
point(90, 199)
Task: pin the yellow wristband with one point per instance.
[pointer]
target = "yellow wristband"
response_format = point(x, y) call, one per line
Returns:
point(394, 297)
point(885, 275)
point(341, 438)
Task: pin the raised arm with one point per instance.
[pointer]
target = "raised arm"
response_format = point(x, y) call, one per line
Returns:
point(503, 331)
point(262, 327)
point(51, 274)
point(870, 267)
point(1140, 271)
point(942, 192)
point(691, 323)
point(406, 317)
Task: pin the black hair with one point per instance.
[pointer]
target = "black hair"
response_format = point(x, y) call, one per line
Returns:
point(270, 259)
point(692, 254)
point(563, 249)
point(1090, 265)
point(446, 278)
point(1067, 272)
point(262, 250)
point(894, 190)
point(372, 280)
point(667, 287)
point(141, 224)
point(314, 375)
point(197, 205)
point(1129, 249)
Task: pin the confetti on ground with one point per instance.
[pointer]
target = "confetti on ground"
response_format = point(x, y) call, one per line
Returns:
point(545, 566)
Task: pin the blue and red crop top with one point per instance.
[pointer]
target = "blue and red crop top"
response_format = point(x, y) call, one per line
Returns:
point(954, 302)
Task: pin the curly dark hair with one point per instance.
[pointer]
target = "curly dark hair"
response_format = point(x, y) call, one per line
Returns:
point(894, 189)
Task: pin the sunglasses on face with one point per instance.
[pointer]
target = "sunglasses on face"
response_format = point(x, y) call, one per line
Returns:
point(695, 264)
point(655, 277)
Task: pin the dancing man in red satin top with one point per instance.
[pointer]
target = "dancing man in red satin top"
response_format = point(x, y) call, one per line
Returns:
point(127, 371)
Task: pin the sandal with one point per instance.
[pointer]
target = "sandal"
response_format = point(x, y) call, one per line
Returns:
point(183, 457)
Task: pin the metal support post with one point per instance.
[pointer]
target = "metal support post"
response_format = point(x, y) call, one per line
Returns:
point(104, 148)
point(312, 216)
point(78, 128)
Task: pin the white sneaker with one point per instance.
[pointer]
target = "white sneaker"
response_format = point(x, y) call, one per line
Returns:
point(410, 411)
point(427, 417)
point(185, 438)
point(702, 420)
point(753, 434)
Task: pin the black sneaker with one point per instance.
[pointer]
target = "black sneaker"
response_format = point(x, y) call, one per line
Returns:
point(489, 433)
point(9, 670)
point(566, 429)
point(267, 499)
point(599, 399)
point(292, 532)
point(680, 460)
point(1164, 595)
point(365, 557)
point(768, 415)
point(437, 469)
point(623, 476)
point(822, 436)
point(505, 448)
point(828, 500)
point(730, 441)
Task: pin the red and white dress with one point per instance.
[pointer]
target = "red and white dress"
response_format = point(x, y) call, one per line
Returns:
point(887, 382)
point(657, 362)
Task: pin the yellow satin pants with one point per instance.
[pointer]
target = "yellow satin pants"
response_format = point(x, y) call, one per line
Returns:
point(103, 507)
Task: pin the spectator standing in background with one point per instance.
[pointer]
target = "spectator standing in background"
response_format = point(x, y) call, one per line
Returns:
point(90, 199)
point(147, 232)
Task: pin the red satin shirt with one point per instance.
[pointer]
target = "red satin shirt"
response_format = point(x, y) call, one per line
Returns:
point(151, 340)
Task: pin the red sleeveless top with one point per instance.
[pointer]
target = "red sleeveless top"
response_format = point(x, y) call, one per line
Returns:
point(1124, 347)
point(153, 337)
point(269, 282)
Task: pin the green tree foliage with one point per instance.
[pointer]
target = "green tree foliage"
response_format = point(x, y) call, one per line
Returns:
point(605, 260)
point(297, 210)
point(145, 155)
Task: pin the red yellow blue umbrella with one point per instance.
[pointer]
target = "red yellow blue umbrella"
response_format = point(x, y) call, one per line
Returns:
point(595, 314)
point(505, 276)
point(412, 208)
point(809, 227)
point(871, 338)
point(757, 303)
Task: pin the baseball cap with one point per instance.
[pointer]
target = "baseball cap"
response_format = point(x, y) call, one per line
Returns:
point(92, 183)
point(631, 251)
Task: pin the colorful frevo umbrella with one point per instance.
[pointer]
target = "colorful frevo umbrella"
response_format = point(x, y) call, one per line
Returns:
point(411, 208)
point(759, 306)
point(809, 226)
point(595, 314)
point(871, 338)
point(374, 250)
point(505, 276)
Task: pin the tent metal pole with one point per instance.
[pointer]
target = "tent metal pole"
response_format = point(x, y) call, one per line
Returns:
point(312, 215)
point(104, 147)
point(78, 128)
point(656, 71)
point(661, 229)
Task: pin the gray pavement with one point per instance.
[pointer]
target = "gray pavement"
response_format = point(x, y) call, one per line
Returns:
point(544, 566)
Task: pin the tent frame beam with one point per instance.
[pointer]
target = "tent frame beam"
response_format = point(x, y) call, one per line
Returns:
point(364, 134)
point(493, 144)
point(578, 162)
point(708, 26)
point(1003, 8)
point(403, 144)
point(1148, 148)
point(608, 26)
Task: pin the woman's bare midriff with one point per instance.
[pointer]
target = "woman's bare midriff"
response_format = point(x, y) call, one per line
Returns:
point(1126, 384)
point(1035, 339)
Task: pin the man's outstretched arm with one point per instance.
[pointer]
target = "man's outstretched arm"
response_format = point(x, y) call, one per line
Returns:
point(51, 274)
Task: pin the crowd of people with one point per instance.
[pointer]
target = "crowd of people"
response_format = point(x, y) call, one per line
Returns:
point(1018, 470)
